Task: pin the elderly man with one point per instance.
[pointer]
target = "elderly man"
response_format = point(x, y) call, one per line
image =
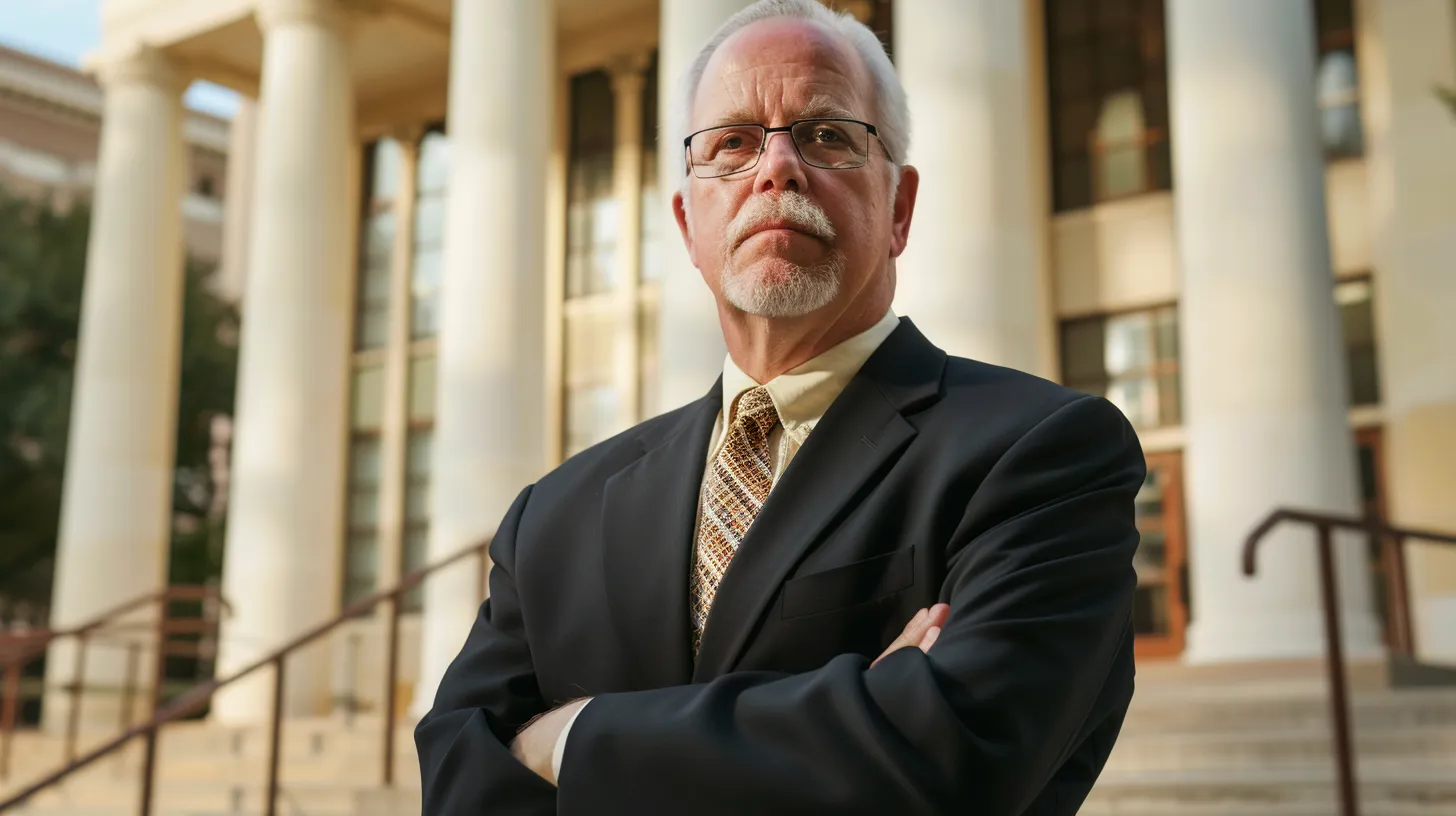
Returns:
point(693, 617)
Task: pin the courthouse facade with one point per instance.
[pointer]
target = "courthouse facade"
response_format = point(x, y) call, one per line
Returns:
point(449, 223)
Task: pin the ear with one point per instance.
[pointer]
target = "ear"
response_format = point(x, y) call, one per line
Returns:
point(904, 210)
point(680, 212)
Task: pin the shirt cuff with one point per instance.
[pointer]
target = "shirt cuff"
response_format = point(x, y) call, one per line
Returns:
point(560, 750)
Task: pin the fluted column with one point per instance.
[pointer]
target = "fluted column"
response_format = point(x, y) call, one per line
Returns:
point(691, 342)
point(973, 276)
point(117, 497)
point(490, 441)
point(1263, 381)
point(282, 567)
point(1405, 46)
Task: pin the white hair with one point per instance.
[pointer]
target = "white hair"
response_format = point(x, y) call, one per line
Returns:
point(891, 112)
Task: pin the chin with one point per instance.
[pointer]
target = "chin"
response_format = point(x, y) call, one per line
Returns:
point(780, 288)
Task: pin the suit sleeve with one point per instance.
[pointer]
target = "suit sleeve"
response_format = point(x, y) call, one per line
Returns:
point(1040, 583)
point(486, 695)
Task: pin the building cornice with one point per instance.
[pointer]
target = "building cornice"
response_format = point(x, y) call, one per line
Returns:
point(28, 78)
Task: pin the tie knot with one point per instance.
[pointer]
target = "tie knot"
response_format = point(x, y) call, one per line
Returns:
point(756, 409)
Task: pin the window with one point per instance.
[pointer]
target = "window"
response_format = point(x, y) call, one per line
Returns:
point(592, 207)
point(1131, 359)
point(427, 259)
point(1337, 79)
point(1107, 86)
point(361, 524)
point(416, 510)
point(1357, 325)
point(381, 172)
point(361, 544)
point(589, 392)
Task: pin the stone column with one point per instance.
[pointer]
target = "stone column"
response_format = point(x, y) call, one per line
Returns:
point(282, 567)
point(241, 161)
point(628, 79)
point(691, 341)
point(974, 274)
point(115, 526)
point(1264, 394)
point(1405, 50)
point(490, 441)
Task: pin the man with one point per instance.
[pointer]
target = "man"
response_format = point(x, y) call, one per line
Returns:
point(682, 618)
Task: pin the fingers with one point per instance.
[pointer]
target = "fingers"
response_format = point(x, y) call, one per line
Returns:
point(925, 625)
point(913, 632)
point(930, 638)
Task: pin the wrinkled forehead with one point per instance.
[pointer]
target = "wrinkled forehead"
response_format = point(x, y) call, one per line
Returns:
point(782, 70)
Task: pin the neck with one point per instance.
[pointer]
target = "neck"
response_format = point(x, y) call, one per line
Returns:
point(765, 347)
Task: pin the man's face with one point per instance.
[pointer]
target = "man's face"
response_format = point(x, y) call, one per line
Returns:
point(784, 239)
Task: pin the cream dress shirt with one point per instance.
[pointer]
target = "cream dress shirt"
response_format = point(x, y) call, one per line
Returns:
point(801, 395)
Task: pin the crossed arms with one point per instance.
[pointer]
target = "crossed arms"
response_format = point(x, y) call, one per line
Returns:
point(1039, 585)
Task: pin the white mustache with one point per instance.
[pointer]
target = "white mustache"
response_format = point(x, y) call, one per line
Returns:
point(797, 209)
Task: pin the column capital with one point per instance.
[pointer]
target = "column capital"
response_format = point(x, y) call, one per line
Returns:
point(408, 135)
point(331, 13)
point(628, 71)
point(139, 64)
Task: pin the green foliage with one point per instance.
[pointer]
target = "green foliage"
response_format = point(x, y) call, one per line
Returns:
point(42, 268)
point(1449, 97)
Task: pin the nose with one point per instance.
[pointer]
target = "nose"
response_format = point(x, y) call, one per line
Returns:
point(779, 168)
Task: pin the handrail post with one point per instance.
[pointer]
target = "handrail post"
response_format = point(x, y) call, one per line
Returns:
point(274, 738)
point(149, 770)
point(1403, 631)
point(78, 679)
point(1339, 698)
point(391, 690)
point(8, 716)
point(128, 690)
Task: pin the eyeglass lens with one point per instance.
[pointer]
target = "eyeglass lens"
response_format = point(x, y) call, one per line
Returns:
point(828, 144)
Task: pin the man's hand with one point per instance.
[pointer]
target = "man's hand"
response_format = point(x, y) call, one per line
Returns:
point(536, 742)
point(922, 630)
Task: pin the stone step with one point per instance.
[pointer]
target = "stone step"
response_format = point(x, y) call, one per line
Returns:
point(1172, 750)
point(199, 797)
point(1397, 790)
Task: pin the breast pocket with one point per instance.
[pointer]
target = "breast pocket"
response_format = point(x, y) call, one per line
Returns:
point(850, 584)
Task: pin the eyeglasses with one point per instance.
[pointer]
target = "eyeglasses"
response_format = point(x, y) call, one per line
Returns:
point(830, 144)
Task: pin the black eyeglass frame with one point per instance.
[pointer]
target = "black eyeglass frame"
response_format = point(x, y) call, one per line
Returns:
point(768, 133)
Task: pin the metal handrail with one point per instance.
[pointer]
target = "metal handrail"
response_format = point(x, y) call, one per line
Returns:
point(37, 642)
point(199, 695)
point(1393, 541)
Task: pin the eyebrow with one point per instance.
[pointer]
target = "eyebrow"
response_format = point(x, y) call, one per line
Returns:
point(819, 106)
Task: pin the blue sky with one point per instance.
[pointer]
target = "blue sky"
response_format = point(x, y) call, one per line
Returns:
point(68, 30)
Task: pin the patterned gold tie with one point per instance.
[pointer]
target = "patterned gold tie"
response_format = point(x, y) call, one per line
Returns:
point(733, 492)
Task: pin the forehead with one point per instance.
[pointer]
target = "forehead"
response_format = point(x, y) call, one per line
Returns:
point(781, 69)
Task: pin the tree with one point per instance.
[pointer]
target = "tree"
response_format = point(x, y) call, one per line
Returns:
point(42, 267)
point(1449, 97)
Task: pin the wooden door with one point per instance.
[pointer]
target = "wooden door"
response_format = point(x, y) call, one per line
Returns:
point(1160, 609)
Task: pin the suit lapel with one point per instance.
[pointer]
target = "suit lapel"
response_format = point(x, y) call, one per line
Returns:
point(649, 510)
point(859, 438)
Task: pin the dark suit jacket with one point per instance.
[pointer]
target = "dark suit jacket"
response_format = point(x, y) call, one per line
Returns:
point(931, 478)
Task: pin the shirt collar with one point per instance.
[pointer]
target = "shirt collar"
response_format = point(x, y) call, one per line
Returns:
point(802, 394)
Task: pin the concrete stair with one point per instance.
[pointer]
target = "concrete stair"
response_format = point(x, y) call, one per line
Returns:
point(1256, 740)
point(1228, 741)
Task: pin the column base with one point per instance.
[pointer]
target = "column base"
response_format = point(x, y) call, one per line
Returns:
point(1233, 638)
point(306, 692)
